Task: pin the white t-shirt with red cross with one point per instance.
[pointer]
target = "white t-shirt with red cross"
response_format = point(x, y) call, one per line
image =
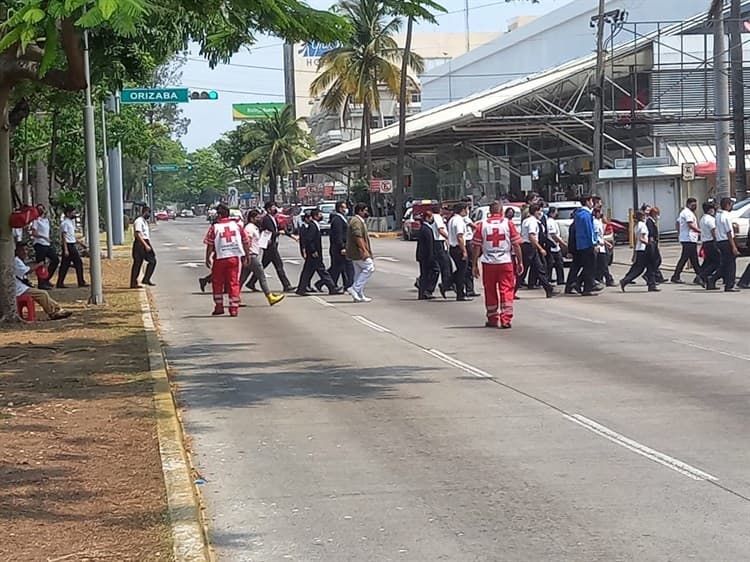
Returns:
point(228, 239)
point(496, 236)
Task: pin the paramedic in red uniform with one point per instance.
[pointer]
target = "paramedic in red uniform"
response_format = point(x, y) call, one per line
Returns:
point(497, 246)
point(227, 246)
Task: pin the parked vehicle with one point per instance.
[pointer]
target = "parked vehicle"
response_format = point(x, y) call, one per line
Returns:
point(482, 212)
point(326, 207)
point(187, 214)
point(162, 216)
point(409, 224)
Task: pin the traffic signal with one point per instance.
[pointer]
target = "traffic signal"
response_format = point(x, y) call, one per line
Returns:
point(202, 95)
point(189, 166)
point(150, 184)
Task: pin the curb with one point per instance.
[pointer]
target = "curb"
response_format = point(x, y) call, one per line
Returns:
point(189, 542)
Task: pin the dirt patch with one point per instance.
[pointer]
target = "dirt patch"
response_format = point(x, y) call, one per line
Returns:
point(80, 473)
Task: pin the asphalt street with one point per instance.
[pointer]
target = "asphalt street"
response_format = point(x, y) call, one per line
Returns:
point(609, 428)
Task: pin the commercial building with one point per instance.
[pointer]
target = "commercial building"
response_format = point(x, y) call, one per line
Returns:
point(329, 128)
point(536, 131)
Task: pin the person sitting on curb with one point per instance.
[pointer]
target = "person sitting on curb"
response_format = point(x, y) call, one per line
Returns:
point(23, 287)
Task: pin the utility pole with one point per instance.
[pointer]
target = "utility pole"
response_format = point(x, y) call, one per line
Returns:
point(598, 94)
point(115, 181)
point(634, 135)
point(290, 96)
point(107, 181)
point(738, 97)
point(466, 25)
point(92, 190)
point(721, 101)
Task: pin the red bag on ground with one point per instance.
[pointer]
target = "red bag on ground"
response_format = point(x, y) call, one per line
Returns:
point(42, 273)
point(22, 216)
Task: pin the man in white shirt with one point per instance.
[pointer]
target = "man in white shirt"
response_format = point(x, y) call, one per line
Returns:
point(727, 249)
point(254, 265)
point(441, 255)
point(711, 256)
point(554, 257)
point(689, 233)
point(142, 250)
point(643, 261)
point(458, 250)
point(41, 297)
point(533, 252)
point(468, 237)
point(70, 253)
point(43, 248)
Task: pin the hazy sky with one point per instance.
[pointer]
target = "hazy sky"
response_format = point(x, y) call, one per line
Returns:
point(238, 84)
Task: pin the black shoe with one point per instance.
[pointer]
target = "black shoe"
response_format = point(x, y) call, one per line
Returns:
point(83, 285)
point(301, 293)
point(611, 284)
point(251, 288)
point(288, 289)
point(588, 294)
point(491, 325)
point(505, 326)
point(136, 286)
point(149, 283)
point(654, 290)
point(732, 290)
point(551, 293)
point(442, 290)
point(473, 295)
point(711, 286)
point(570, 291)
point(698, 280)
point(336, 291)
point(319, 286)
point(464, 299)
point(622, 285)
point(202, 281)
point(49, 286)
point(676, 281)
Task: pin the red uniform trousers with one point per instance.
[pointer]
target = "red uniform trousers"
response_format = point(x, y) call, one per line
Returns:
point(225, 278)
point(499, 281)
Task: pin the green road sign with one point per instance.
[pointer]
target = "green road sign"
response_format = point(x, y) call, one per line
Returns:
point(164, 167)
point(255, 111)
point(156, 95)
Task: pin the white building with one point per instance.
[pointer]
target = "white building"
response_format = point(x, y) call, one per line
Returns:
point(546, 42)
point(330, 129)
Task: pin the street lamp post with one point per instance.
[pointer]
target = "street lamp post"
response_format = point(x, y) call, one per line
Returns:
point(92, 194)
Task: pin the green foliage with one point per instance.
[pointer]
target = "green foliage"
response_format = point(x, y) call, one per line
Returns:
point(210, 176)
point(281, 145)
point(416, 9)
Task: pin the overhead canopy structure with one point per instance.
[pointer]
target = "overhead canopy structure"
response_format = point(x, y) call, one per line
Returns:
point(512, 122)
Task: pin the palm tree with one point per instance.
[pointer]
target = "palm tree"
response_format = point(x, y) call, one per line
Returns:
point(281, 144)
point(413, 10)
point(354, 70)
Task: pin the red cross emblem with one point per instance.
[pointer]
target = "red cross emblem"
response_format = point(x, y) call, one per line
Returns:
point(228, 234)
point(495, 237)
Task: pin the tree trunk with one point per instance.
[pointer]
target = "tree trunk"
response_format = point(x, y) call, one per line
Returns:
point(272, 185)
point(400, 188)
point(362, 135)
point(7, 250)
point(41, 184)
point(53, 153)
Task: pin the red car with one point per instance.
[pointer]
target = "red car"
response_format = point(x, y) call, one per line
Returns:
point(162, 216)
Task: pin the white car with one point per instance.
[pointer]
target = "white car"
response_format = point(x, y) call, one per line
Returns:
point(565, 216)
point(741, 220)
point(326, 208)
point(481, 213)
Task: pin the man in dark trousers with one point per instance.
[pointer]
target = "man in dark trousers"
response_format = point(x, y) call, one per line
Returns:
point(340, 264)
point(584, 249)
point(312, 245)
point(143, 251)
point(271, 252)
point(428, 266)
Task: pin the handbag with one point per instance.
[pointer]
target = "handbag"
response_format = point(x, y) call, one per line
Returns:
point(26, 214)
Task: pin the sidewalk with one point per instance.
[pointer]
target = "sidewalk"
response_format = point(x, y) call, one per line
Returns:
point(80, 474)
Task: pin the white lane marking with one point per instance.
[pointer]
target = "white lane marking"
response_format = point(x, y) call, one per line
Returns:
point(656, 456)
point(459, 364)
point(321, 301)
point(371, 325)
point(387, 258)
point(712, 350)
point(191, 264)
point(574, 317)
point(293, 262)
point(184, 248)
point(167, 244)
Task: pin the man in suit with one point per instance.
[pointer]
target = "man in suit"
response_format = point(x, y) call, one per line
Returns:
point(428, 266)
point(271, 252)
point(312, 247)
point(341, 265)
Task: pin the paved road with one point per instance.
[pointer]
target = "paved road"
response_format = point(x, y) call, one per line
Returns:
point(612, 428)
